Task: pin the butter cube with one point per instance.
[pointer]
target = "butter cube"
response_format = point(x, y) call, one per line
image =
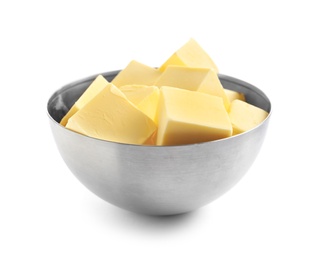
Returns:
point(146, 98)
point(136, 73)
point(232, 95)
point(187, 117)
point(111, 116)
point(190, 54)
point(197, 79)
point(245, 116)
point(95, 87)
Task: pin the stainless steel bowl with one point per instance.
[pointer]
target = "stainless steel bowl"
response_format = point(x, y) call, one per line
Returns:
point(157, 180)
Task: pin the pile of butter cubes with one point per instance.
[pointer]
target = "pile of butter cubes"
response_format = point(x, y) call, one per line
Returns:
point(181, 102)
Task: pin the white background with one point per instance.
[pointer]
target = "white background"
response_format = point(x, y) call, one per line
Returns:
point(273, 213)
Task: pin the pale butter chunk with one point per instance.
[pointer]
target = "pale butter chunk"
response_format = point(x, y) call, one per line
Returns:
point(136, 73)
point(95, 87)
point(187, 117)
point(232, 95)
point(146, 98)
point(197, 79)
point(245, 116)
point(111, 116)
point(191, 54)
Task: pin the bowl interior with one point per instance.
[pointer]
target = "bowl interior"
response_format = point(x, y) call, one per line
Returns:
point(63, 99)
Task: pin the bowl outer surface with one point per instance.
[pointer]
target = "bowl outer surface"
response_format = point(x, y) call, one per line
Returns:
point(157, 180)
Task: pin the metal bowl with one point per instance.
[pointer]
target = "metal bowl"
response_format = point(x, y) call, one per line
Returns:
point(157, 180)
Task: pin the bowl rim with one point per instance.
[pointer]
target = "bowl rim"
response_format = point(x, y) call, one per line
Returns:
point(114, 72)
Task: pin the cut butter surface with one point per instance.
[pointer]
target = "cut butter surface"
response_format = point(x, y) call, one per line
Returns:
point(191, 54)
point(111, 116)
point(136, 73)
point(197, 79)
point(232, 95)
point(146, 98)
point(181, 102)
point(95, 87)
point(245, 116)
point(186, 117)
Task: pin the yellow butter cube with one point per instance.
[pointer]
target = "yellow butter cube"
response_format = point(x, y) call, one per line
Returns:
point(96, 86)
point(187, 117)
point(136, 73)
point(197, 79)
point(191, 54)
point(111, 116)
point(146, 98)
point(232, 95)
point(245, 116)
